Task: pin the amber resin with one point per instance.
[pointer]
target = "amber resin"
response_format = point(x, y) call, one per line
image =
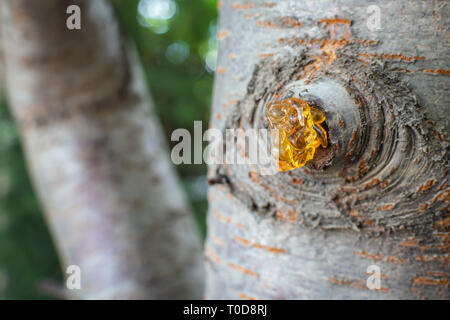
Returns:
point(298, 132)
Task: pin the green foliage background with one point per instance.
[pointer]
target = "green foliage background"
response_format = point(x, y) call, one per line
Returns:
point(181, 91)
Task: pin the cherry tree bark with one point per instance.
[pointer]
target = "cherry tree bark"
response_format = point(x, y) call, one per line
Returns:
point(96, 153)
point(372, 205)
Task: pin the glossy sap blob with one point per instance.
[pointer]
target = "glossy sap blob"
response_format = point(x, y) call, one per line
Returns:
point(296, 126)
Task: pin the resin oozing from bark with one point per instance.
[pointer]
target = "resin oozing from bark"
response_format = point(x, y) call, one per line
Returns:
point(298, 132)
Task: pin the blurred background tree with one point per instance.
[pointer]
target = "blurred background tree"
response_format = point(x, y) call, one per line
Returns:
point(176, 40)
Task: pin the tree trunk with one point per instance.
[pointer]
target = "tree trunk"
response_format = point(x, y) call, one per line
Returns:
point(96, 153)
point(377, 196)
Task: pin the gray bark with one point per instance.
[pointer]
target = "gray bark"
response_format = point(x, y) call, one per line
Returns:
point(378, 195)
point(96, 153)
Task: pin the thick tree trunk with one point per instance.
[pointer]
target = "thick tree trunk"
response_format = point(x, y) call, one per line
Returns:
point(96, 153)
point(378, 195)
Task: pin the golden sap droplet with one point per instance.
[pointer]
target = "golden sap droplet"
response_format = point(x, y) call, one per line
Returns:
point(300, 132)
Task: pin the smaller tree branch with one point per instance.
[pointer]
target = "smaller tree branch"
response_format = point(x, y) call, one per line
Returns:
point(97, 155)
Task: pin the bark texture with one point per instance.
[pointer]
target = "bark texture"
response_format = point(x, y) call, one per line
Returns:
point(378, 195)
point(96, 153)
